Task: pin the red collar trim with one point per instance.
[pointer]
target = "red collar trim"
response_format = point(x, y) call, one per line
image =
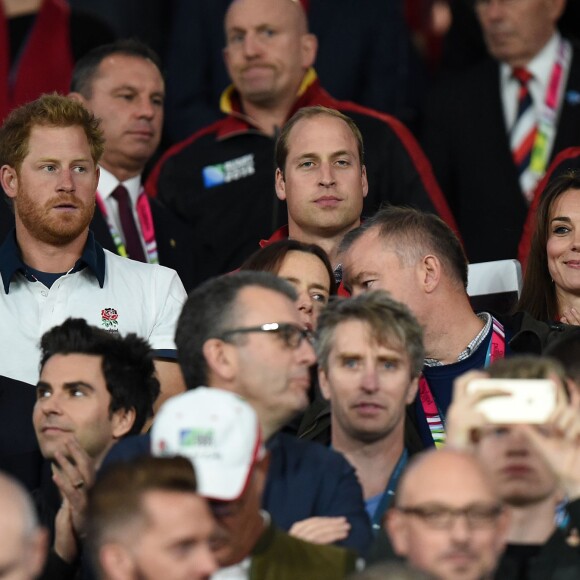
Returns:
point(280, 234)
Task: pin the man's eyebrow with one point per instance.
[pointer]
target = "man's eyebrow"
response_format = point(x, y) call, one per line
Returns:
point(358, 277)
point(59, 161)
point(342, 153)
point(307, 156)
point(76, 384)
point(347, 354)
point(43, 385)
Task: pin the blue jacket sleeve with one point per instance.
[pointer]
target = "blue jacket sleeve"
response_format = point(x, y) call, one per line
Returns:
point(306, 479)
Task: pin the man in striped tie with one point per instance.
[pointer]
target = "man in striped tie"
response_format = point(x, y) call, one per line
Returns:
point(491, 131)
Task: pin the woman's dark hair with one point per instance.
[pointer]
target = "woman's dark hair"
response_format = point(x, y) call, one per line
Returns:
point(270, 258)
point(538, 296)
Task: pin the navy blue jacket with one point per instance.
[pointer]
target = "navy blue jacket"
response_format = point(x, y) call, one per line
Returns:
point(305, 479)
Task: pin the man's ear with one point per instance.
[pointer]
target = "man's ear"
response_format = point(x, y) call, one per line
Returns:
point(280, 184)
point(429, 273)
point(309, 48)
point(261, 471)
point(116, 561)
point(395, 526)
point(365, 181)
point(220, 359)
point(122, 421)
point(77, 97)
point(412, 391)
point(323, 383)
point(9, 180)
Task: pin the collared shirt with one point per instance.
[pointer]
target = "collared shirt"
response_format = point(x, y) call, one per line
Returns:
point(107, 184)
point(11, 262)
point(239, 571)
point(472, 346)
point(541, 67)
point(109, 292)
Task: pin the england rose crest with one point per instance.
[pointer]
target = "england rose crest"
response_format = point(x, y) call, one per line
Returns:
point(109, 319)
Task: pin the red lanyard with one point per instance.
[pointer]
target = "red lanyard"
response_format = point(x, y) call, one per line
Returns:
point(434, 416)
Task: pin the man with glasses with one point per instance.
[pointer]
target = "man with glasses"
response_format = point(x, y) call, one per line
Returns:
point(447, 519)
point(242, 333)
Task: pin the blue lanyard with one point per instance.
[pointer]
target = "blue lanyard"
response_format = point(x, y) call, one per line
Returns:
point(390, 491)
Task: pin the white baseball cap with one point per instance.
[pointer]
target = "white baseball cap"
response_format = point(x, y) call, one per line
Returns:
point(218, 432)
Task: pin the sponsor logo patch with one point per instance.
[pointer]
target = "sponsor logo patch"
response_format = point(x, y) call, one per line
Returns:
point(228, 171)
point(197, 437)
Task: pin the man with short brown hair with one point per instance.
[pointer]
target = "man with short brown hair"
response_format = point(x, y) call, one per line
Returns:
point(51, 267)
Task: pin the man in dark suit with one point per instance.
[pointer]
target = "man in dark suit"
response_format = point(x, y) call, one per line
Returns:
point(485, 159)
point(122, 85)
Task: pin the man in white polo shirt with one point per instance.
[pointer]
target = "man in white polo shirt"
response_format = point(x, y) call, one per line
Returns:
point(51, 268)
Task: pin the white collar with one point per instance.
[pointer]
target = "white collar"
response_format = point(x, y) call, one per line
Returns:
point(541, 65)
point(108, 182)
point(239, 571)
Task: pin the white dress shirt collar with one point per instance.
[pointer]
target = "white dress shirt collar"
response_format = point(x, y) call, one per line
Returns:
point(108, 182)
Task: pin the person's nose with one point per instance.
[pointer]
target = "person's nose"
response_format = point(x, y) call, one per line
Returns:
point(460, 530)
point(203, 563)
point(50, 405)
point(326, 175)
point(370, 382)
point(305, 353)
point(66, 181)
point(145, 108)
point(305, 306)
point(252, 46)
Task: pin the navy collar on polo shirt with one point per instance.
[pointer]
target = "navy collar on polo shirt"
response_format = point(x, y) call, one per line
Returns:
point(93, 257)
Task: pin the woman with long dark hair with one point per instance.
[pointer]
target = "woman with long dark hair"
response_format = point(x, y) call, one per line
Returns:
point(551, 290)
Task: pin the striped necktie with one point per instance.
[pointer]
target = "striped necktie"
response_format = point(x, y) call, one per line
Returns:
point(523, 133)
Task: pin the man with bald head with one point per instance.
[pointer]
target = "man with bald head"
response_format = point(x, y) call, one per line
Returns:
point(447, 519)
point(220, 179)
point(23, 545)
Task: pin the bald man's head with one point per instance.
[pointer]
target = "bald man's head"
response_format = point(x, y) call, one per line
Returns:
point(23, 545)
point(293, 11)
point(447, 520)
point(268, 50)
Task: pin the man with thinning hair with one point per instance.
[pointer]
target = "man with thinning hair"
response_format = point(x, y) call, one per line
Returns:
point(447, 519)
point(418, 259)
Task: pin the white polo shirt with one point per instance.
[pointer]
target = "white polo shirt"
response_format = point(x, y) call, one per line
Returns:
point(108, 291)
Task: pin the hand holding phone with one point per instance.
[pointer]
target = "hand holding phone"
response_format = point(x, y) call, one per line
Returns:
point(515, 401)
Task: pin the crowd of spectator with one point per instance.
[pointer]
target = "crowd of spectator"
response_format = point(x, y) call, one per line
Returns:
point(236, 334)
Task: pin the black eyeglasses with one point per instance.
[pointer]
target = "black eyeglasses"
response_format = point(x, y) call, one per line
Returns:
point(291, 334)
point(442, 517)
